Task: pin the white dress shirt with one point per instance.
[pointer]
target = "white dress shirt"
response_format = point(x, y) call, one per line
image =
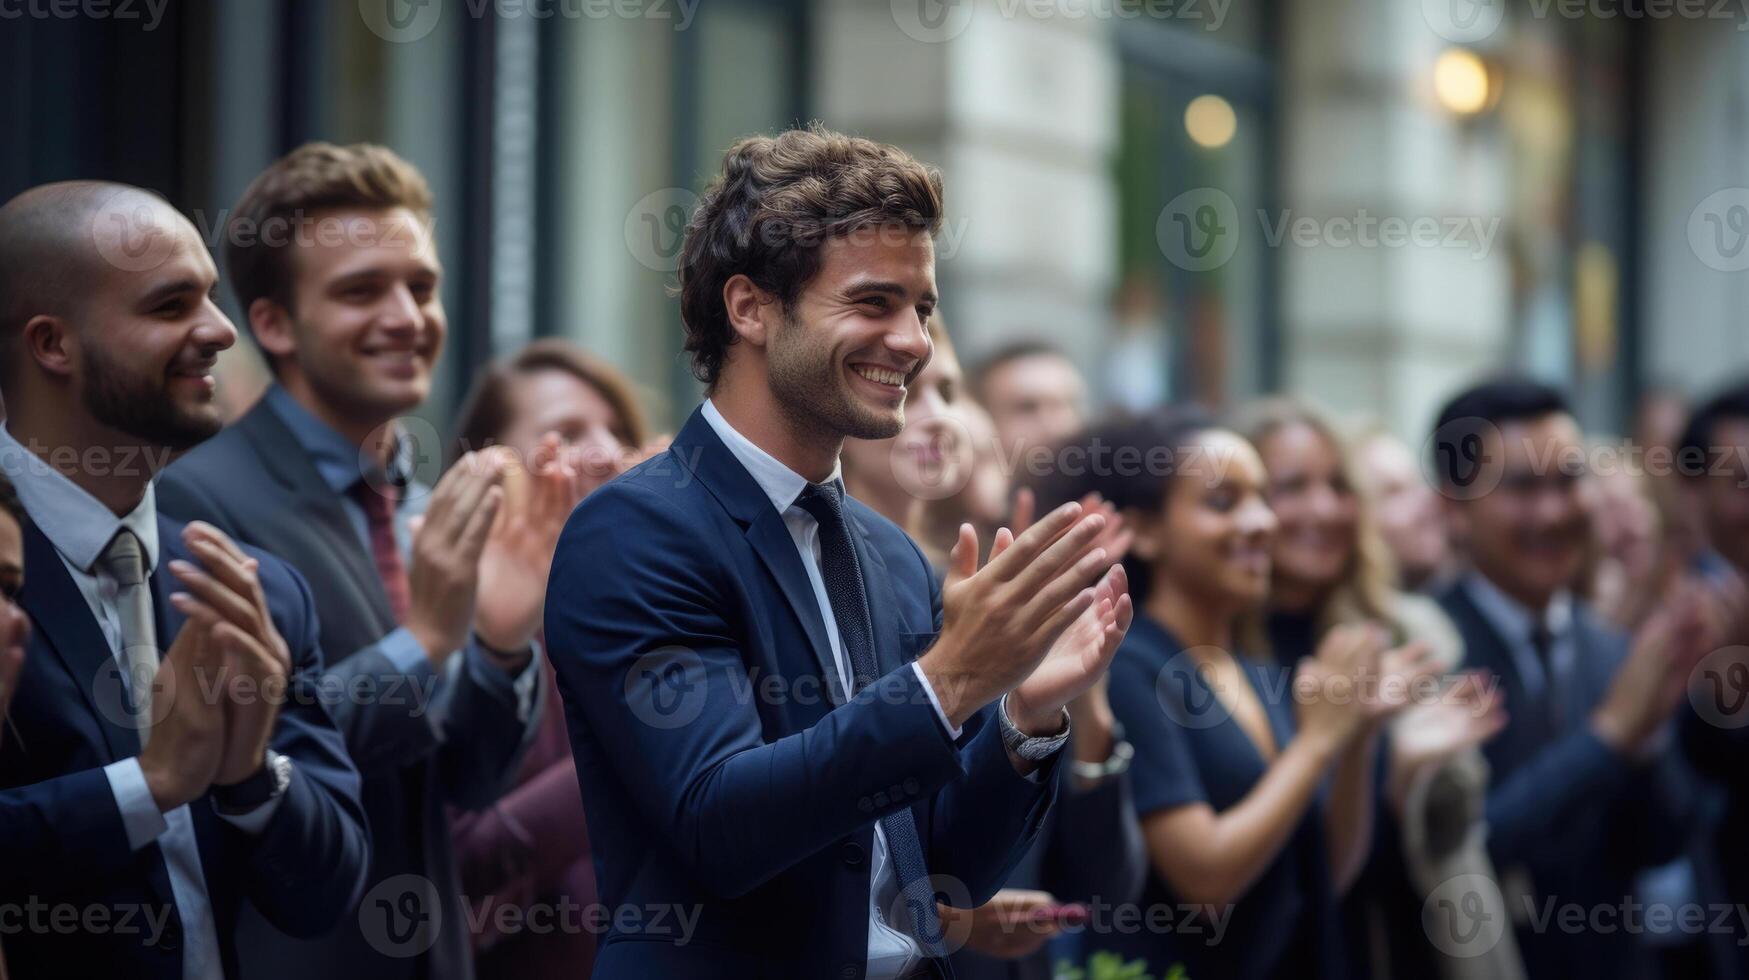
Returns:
point(891, 952)
point(81, 528)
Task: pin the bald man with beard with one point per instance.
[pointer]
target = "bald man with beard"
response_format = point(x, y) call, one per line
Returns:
point(157, 772)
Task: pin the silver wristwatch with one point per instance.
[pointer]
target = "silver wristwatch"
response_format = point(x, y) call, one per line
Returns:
point(1026, 746)
point(1115, 763)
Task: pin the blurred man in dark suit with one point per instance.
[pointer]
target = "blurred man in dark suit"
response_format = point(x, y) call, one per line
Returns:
point(786, 731)
point(1584, 793)
point(1713, 463)
point(331, 254)
point(158, 800)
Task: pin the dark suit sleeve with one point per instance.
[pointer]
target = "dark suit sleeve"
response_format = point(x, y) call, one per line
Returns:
point(56, 833)
point(1529, 806)
point(1719, 753)
point(1661, 810)
point(986, 819)
point(642, 630)
point(485, 729)
point(306, 869)
point(388, 726)
point(1096, 846)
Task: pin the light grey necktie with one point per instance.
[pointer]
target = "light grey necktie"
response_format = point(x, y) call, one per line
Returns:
point(125, 561)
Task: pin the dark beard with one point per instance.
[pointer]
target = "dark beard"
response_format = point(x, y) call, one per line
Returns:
point(811, 393)
point(133, 405)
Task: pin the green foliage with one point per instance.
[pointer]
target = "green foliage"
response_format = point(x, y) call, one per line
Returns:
point(1110, 966)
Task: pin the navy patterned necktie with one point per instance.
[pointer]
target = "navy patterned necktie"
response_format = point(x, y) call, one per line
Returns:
point(842, 573)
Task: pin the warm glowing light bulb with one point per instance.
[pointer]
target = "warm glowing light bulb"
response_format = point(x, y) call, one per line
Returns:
point(1210, 121)
point(1460, 80)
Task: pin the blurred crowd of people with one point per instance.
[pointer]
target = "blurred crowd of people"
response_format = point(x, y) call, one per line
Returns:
point(1569, 623)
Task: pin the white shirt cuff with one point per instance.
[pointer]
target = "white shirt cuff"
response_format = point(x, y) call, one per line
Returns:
point(953, 731)
point(139, 811)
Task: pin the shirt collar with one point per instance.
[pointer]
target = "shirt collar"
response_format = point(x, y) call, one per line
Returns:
point(780, 483)
point(340, 464)
point(76, 523)
point(1510, 617)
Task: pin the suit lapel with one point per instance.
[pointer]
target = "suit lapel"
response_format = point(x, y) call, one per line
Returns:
point(697, 446)
point(770, 539)
point(1529, 722)
point(59, 612)
point(284, 458)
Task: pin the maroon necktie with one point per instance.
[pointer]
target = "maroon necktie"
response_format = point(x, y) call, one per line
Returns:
point(379, 517)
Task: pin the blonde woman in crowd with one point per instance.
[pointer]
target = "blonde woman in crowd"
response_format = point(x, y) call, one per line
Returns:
point(1331, 567)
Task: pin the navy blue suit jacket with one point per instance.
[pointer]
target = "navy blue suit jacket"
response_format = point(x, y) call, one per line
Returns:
point(1580, 819)
point(721, 773)
point(62, 832)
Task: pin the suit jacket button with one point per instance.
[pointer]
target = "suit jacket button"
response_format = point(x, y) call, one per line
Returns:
point(849, 971)
point(171, 938)
point(852, 852)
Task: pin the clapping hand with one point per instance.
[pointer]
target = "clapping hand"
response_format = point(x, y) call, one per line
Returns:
point(999, 621)
point(258, 663)
point(518, 552)
point(443, 578)
point(1469, 711)
point(1666, 648)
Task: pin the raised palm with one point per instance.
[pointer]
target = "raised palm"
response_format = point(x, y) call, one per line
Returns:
point(519, 551)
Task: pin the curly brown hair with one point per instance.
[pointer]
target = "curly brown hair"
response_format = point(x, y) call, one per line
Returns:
point(777, 202)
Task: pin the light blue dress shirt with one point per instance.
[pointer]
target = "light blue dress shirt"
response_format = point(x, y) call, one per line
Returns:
point(80, 528)
point(341, 467)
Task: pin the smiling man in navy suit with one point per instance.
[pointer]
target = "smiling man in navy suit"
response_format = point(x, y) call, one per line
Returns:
point(793, 740)
point(155, 800)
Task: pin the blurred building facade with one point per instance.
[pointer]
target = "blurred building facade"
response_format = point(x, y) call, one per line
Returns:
point(1365, 202)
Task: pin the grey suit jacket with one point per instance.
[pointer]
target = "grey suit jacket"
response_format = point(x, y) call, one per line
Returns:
point(420, 742)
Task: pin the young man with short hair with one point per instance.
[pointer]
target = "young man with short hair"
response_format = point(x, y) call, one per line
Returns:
point(784, 725)
point(332, 256)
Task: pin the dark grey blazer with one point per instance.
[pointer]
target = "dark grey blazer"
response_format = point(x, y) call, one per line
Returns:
point(1579, 819)
point(255, 482)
